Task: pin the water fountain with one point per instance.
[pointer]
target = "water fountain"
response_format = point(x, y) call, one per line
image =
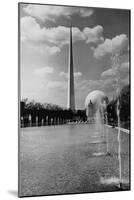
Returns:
point(106, 128)
point(58, 121)
point(30, 120)
point(95, 108)
point(22, 121)
point(100, 131)
point(116, 68)
point(42, 122)
point(51, 120)
point(36, 120)
point(114, 180)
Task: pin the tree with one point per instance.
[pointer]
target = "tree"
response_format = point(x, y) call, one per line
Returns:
point(125, 106)
point(124, 99)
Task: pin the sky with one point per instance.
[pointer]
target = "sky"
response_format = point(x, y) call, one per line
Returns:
point(100, 51)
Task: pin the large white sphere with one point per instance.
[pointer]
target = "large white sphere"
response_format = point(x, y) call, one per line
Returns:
point(94, 101)
point(97, 96)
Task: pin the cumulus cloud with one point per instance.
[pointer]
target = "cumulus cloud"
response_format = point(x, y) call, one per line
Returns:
point(125, 81)
point(51, 13)
point(53, 50)
point(76, 74)
point(43, 71)
point(57, 36)
point(85, 12)
point(31, 30)
point(123, 70)
point(84, 85)
point(116, 45)
point(108, 73)
point(125, 67)
point(109, 78)
point(43, 49)
point(55, 84)
point(107, 84)
point(94, 34)
point(64, 74)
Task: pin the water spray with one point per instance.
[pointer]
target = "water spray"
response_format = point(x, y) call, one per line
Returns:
point(115, 67)
point(119, 144)
point(36, 120)
point(30, 120)
point(107, 139)
point(42, 122)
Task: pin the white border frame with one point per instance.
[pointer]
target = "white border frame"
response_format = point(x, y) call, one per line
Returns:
point(9, 98)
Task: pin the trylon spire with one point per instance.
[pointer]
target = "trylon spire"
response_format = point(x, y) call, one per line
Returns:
point(71, 98)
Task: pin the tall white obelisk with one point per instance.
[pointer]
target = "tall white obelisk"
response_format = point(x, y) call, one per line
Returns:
point(71, 98)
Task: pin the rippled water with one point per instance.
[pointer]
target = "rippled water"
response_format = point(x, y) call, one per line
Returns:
point(67, 159)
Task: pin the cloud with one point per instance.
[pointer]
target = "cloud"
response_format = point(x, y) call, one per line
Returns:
point(43, 71)
point(123, 70)
point(125, 81)
point(124, 67)
point(107, 84)
point(90, 85)
point(51, 13)
point(76, 74)
point(43, 49)
point(53, 50)
point(109, 78)
point(63, 74)
point(57, 36)
point(108, 73)
point(55, 84)
point(94, 34)
point(116, 45)
point(31, 30)
point(85, 12)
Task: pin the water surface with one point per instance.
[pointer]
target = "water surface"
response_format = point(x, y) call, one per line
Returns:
point(63, 159)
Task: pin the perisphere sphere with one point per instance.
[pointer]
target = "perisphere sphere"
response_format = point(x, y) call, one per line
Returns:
point(95, 100)
point(96, 96)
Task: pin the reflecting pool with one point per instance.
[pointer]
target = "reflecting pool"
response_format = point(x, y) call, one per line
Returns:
point(66, 159)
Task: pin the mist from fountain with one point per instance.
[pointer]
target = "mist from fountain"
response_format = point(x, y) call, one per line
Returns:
point(115, 67)
point(100, 130)
point(42, 122)
point(30, 120)
point(36, 120)
point(106, 128)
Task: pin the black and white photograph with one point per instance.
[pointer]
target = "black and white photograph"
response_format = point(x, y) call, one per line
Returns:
point(74, 99)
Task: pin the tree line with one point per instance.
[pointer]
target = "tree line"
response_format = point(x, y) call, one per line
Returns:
point(37, 114)
point(124, 107)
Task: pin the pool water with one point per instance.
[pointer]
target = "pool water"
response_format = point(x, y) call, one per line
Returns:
point(70, 159)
